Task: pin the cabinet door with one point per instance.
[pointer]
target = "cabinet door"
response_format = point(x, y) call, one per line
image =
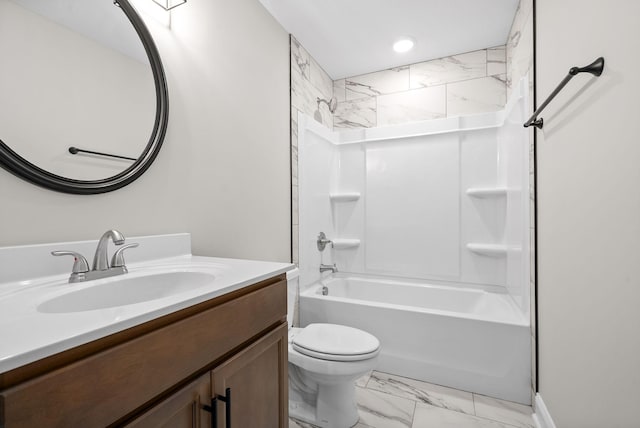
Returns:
point(255, 380)
point(182, 409)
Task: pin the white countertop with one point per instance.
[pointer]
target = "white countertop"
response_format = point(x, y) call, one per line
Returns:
point(28, 334)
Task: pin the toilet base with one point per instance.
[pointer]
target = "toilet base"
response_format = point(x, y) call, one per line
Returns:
point(332, 405)
point(336, 405)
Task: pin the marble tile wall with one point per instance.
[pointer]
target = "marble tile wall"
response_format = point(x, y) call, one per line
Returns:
point(519, 56)
point(308, 83)
point(473, 82)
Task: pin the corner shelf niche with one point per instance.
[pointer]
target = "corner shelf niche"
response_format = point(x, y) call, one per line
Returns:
point(344, 196)
point(487, 192)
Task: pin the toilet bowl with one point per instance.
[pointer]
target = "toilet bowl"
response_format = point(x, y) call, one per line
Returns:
point(324, 362)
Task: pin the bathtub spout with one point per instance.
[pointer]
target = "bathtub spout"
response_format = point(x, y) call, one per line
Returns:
point(325, 268)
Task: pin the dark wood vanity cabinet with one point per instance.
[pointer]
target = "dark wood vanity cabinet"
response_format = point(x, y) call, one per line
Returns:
point(166, 372)
point(181, 409)
point(253, 382)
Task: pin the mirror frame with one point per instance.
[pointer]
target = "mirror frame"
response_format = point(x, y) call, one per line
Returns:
point(24, 169)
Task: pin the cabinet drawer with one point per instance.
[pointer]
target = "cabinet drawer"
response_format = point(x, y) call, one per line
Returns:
point(103, 388)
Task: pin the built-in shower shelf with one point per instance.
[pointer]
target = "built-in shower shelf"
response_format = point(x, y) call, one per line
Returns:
point(487, 192)
point(344, 196)
point(492, 250)
point(343, 244)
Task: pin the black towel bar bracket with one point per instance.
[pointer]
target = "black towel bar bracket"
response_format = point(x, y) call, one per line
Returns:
point(594, 68)
point(75, 151)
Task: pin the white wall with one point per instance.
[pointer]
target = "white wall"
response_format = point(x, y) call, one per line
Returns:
point(589, 214)
point(223, 173)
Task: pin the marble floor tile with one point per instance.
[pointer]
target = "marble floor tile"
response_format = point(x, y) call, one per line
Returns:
point(295, 423)
point(423, 392)
point(510, 413)
point(362, 381)
point(380, 410)
point(427, 416)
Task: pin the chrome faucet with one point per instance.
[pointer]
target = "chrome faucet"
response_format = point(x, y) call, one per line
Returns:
point(101, 267)
point(325, 268)
point(101, 258)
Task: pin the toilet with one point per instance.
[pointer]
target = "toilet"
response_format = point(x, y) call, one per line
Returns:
point(324, 362)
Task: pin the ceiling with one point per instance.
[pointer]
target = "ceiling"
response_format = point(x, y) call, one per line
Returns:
point(352, 37)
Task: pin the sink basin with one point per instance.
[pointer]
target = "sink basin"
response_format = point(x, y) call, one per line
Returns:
point(126, 290)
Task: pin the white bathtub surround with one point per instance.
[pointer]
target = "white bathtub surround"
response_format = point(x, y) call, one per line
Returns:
point(400, 232)
point(420, 220)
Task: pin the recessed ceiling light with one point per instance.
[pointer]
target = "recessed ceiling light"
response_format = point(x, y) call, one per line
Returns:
point(403, 45)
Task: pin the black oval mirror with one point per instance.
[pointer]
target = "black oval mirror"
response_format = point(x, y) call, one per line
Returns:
point(94, 92)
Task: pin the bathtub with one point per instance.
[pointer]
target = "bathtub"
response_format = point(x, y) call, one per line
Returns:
point(465, 338)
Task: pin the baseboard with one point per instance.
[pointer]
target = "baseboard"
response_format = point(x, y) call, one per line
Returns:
point(541, 417)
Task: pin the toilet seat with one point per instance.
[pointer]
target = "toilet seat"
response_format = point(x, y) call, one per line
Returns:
point(335, 343)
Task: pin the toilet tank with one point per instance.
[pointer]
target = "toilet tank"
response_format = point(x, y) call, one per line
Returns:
point(293, 277)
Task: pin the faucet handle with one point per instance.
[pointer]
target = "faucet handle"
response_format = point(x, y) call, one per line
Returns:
point(80, 264)
point(118, 257)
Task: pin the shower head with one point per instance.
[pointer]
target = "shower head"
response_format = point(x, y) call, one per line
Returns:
point(332, 104)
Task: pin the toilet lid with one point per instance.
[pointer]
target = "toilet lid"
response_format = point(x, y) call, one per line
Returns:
point(335, 342)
